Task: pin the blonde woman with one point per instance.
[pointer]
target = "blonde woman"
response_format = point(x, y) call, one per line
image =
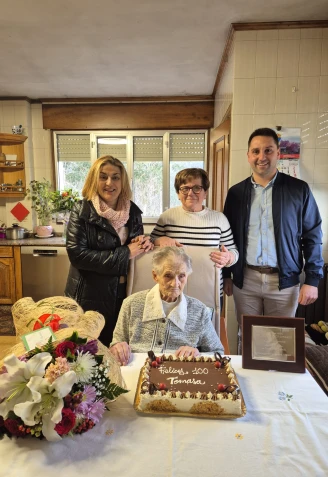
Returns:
point(104, 232)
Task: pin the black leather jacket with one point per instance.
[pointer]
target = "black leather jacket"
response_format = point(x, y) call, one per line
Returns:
point(297, 230)
point(98, 259)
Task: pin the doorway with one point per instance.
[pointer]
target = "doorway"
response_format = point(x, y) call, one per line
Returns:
point(220, 144)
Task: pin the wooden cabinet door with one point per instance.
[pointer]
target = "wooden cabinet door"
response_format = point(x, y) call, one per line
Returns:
point(7, 281)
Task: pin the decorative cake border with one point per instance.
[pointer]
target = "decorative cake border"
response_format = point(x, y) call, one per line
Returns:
point(188, 414)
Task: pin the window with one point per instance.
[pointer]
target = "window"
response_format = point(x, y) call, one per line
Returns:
point(151, 158)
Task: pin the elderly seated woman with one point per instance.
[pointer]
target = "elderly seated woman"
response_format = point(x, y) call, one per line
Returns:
point(163, 318)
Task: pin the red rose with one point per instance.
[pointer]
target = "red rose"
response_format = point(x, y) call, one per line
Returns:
point(67, 423)
point(48, 319)
point(62, 348)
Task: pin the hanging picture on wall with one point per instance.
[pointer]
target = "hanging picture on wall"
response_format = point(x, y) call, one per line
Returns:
point(289, 142)
point(290, 146)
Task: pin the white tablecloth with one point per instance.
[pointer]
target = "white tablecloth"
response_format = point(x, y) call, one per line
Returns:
point(281, 435)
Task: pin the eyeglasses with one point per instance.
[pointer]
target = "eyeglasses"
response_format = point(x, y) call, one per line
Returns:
point(196, 189)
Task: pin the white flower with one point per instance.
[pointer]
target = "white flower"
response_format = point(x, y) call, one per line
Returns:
point(14, 387)
point(47, 404)
point(84, 366)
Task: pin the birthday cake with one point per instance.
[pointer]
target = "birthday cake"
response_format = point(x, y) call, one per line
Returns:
point(201, 386)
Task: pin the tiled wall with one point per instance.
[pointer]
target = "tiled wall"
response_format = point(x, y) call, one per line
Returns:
point(268, 64)
point(38, 153)
point(223, 98)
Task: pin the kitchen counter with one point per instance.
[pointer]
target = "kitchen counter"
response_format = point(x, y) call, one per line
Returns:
point(31, 241)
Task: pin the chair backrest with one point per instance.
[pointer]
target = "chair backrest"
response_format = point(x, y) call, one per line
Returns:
point(203, 283)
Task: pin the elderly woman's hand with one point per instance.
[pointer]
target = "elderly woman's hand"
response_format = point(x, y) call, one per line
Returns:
point(185, 351)
point(222, 258)
point(121, 352)
point(167, 242)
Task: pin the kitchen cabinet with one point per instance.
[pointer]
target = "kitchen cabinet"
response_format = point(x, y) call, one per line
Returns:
point(10, 275)
point(12, 144)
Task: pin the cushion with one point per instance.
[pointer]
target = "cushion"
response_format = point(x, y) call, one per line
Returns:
point(317, 360)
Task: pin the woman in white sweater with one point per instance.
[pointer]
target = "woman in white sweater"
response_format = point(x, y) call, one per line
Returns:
point(194, 224)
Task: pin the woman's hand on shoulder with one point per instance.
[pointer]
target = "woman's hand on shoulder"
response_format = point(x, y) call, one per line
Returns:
point(139, 245)
point(185, 351)
point(121, 352)
point(167, 242)
point(144, 242)
point(222, 258)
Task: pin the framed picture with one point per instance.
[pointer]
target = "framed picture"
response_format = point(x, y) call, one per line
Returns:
point(273, 343)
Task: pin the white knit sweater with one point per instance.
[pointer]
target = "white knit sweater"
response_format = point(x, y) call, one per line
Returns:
point(143, 324)
point(207, 228)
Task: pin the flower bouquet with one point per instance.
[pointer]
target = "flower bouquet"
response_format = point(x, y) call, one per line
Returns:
point(61, 388)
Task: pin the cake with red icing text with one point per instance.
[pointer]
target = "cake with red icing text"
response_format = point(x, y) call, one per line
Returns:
point(201, 386)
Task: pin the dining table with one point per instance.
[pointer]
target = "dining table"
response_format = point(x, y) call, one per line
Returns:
point(283, 433)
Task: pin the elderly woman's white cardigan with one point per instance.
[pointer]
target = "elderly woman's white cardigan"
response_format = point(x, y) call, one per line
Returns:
point(143, 324)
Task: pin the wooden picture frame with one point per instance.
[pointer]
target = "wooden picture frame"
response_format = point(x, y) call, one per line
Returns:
point(273, 343)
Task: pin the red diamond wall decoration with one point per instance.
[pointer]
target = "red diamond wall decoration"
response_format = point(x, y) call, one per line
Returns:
point(19, 211)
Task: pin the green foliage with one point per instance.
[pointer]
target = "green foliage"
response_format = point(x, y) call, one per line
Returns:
point(112, 391)
point(41, 196)
point(76, 339)
point(64, 201)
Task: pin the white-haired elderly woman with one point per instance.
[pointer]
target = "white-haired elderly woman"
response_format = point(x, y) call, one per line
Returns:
point(163, 318)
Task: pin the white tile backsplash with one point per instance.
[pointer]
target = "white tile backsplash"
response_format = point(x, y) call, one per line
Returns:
point(266, 59)
point(8, 111)
point(310, 57)
point(309, 125)
point(285, 97)
point(324, 58)
point(288, 57)
point(243, 96)
point(284, 119)
point(264, 121)
point(307, 165)
point(290, 34)
point(322, 131)
point(321, 166)
point(320, 194)
point(245, 35)
point(267, 35)
point(245, 59)
point(264, 95)
point(311, 33)
point(308, 94)
point(323, 94)
point(241, 129)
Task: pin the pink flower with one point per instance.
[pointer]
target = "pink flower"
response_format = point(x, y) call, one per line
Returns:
point(60, 367)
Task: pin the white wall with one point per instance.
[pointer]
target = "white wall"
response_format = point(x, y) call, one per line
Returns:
point(267, 65)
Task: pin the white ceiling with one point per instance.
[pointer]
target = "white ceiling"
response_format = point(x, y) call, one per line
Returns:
point(105, 48)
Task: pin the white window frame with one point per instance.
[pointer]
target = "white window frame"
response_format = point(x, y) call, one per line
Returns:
point(128, 134)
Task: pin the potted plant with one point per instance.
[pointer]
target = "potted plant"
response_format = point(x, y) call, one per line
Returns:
point(63, 203)
point(42, 202)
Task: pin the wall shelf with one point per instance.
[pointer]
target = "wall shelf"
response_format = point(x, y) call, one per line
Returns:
point(12, 144)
